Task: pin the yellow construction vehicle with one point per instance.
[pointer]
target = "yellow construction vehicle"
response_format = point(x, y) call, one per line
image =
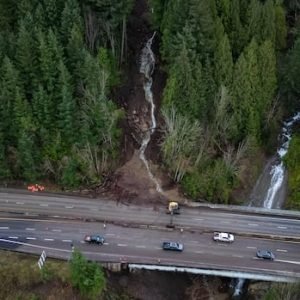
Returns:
point(173, 208)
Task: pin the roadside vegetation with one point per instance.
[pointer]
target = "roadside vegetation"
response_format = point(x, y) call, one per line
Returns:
point(20, 278)
point(283, 291)
point(292, 161)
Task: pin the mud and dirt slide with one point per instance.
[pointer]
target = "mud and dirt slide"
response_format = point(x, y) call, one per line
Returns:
point(132, 177)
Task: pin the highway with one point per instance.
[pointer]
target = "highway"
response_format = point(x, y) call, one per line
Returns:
point(135, 245)
point(191, 219)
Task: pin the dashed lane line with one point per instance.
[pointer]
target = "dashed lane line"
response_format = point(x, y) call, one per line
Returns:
point(13, 237)
point(30, 229)
point(45, 205)
point(252, 224)
point(106, 244)
point(56, 230)
point(235, 255)
point(30, 238)
point(71, 206)
point(140, 246)
point(67, 241)
point(281, 250)
point(289, 261)
point(4, 227)
point(282, 227)
point(251, 247)
point(122, 245)
point(20, 203)
point(50, 240)
point(109, 234)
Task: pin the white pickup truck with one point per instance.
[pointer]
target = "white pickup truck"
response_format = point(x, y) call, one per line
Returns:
point(223, 237)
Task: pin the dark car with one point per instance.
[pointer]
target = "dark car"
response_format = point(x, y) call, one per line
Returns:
point(94, 239)
point(265, 254)
point(172, 246)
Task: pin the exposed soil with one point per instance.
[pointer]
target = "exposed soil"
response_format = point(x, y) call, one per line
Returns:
point(131, 180)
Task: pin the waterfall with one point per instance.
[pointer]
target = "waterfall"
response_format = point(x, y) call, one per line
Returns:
point(273, 175)
point(278, 170)
point(238, 289)
point(147, 68)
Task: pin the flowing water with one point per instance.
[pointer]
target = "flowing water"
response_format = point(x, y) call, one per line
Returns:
point(147, 68)
point(269, 190)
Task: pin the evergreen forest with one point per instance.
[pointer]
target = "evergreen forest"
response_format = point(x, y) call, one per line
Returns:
point(59, 60)
point(233, 73)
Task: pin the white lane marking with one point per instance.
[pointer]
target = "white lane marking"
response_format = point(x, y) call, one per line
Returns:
point(82, 242)
point(49, 240)
point(21, 203)
point(69, 206)
point(251, 247)
point(198, 219)
point(13, 237)
point(31, 229)
point(239, 256)
point(117, 255)
point(67, 241)
point(252, 224)
point(4, 227)
point(109, 234)
point(44, 205)
point(56, 230)
point(289, 261)
point(30, 238)
point(225, 222)
point(140, 246)
point(122, 245)
point(282, 227)
point(105, 243)
point(199, 252)
point(281, 250)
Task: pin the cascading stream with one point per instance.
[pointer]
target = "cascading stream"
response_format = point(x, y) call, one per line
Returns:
point(147, 68)
point(278, 170)
point(277, 175)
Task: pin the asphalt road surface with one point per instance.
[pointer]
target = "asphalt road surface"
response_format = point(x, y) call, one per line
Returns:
point(137, 245)
point(190, 219)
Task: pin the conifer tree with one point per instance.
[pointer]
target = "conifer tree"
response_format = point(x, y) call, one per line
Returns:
point(238, 35)
point(281, 27)
point(69, 19)
point(202, 15)
point(253, 104)
point(241, 96)
point(267, 71)
point(223, 62)
point(8, 85)
point(26, 55)
point(254, 20)
point(66, 107)
point(268, 30)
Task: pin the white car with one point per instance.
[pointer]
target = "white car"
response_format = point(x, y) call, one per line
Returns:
point(223, 237)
